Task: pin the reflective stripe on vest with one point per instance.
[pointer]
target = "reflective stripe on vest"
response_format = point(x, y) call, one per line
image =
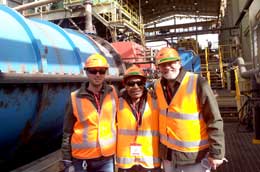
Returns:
point(183, 116)
point(90, 120)
point(147, 135)
point(139, 132)
point(183, 143)
point(182, 127)
point(141, 160)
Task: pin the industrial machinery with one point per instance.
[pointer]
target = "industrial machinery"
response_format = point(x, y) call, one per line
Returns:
point(40, 64)
point(133, 53)
point(190, 60)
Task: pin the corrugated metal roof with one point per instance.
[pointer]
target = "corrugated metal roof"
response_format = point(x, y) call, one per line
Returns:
point(158, 9)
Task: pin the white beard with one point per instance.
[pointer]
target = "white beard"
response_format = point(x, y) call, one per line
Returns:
point(171, 75)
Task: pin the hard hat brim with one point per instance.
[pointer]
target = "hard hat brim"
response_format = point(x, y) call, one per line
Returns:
point(169, 59)
point(129, 76)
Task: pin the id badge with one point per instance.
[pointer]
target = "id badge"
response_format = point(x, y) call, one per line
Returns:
point(136, 149)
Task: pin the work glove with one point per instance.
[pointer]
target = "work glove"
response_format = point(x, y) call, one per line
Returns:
point(68, 166)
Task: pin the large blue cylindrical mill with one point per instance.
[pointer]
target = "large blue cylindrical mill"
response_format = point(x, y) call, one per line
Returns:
point(190, 60)
point(40, 64)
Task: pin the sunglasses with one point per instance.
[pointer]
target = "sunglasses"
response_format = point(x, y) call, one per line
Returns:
point(138, 83)
point(95, 71)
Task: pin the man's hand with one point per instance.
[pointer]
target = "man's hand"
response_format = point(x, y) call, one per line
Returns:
point(68, 167)
point(214, 163)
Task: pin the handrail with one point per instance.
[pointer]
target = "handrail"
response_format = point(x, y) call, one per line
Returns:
point(207, 65)
point(128, 15)
point(238, 95)
point(221, 67)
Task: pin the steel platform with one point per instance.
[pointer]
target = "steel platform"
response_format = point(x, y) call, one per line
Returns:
point(242, 154)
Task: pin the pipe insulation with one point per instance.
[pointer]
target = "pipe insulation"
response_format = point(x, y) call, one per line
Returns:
point(246, 74)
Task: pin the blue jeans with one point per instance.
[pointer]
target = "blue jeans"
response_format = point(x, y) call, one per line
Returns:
point(102, 164)
point(139, 168)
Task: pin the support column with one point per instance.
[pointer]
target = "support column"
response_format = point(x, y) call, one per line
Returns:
point(88, 17)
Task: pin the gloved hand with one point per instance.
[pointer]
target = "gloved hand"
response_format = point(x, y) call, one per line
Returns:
point(68, 167)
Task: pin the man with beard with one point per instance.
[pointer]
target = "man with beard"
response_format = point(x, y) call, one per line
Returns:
point(190, 125)
point(137, 126)
point(89, 131)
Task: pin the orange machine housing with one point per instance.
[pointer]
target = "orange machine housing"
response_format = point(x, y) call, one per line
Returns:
point(132, 53)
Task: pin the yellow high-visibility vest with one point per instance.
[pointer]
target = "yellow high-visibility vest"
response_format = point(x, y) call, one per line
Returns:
point(146, 135)
point(94, 134)
point(181, 125)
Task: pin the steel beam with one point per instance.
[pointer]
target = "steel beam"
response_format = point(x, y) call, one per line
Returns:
point(186, 25)
point(161, 37)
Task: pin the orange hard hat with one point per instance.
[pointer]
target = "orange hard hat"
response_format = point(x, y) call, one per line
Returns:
point(96, 60)
point(134, 71)
point(167, 55)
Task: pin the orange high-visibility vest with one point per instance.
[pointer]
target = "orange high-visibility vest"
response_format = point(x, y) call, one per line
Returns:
point(147, 135)
point(181, 125)
point(94, 134)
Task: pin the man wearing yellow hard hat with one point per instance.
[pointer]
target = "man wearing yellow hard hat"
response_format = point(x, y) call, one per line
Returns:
point(190, 124)
point(137, 124)
point(89, 131)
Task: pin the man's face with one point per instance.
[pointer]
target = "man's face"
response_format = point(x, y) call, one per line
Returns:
point(135, 86)
point(170, 70)
point(96, 75)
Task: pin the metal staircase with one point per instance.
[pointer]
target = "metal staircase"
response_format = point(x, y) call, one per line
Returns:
point(227, 104)
point(119, 16)
point(212, 68)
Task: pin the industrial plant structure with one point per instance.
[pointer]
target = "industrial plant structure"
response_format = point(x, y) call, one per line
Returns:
point(45, 43)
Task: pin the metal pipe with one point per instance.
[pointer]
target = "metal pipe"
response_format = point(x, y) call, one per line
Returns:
point(34, 4)
point(88, 18)
point(46, 78)
point(244, 73)
point(244, 11)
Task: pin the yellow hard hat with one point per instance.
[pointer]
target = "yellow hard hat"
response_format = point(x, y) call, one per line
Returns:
point(134, 71)
point(96, 60)
point(167, 55)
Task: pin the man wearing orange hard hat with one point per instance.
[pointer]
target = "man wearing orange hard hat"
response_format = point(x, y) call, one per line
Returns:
point(89, 131)
point(190, 124)
point(137, 126)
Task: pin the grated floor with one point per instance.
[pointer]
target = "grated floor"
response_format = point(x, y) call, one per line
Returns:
point(242, 154)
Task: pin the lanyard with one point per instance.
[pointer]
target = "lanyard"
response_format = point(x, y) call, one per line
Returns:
point(97, 102)
point(138, 115)
point(169, 92)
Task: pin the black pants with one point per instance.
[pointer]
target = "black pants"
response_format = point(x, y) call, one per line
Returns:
point(139, 168)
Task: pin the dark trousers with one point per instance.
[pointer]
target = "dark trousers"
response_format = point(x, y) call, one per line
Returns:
point(139, 168)
point(102, 164)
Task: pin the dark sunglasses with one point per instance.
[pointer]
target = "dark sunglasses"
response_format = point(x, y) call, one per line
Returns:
point(132, 83)
point(95, 71)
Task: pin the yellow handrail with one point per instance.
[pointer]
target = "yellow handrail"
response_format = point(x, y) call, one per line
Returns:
point(128, 14)
point(238, 95)
point(228, 50)
point(221, 67)
point(207, 65)
point(67, 2)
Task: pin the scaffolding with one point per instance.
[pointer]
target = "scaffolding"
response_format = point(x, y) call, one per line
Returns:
point(115, 14)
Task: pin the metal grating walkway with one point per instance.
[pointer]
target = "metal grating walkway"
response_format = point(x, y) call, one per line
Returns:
point(243, 156)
